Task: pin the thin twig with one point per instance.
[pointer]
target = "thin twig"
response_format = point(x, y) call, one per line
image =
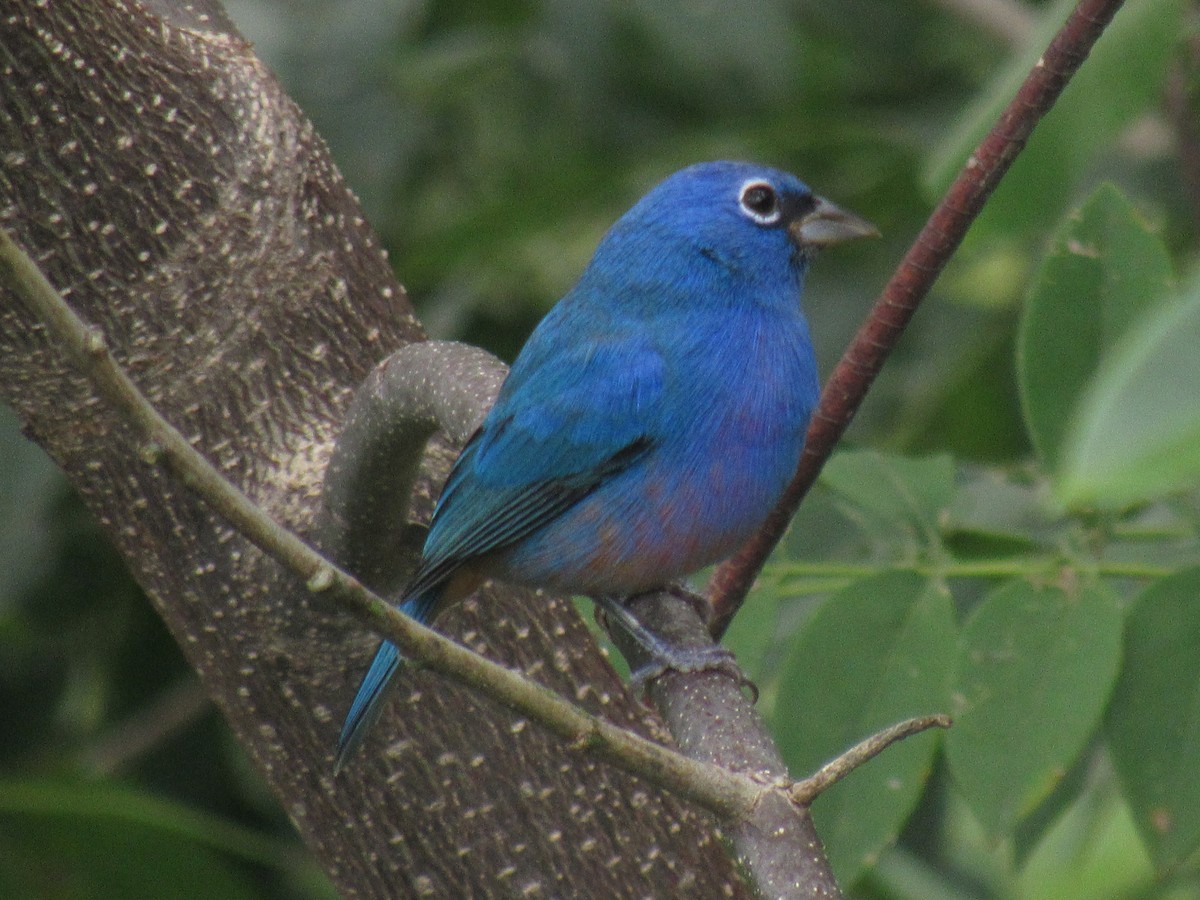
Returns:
point(1183, 105)
point(916, 274)
point(728, 795)
point(804, 792)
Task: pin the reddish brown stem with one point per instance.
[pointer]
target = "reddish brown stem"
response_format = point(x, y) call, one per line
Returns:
point(1183, 94)
point(913, 278)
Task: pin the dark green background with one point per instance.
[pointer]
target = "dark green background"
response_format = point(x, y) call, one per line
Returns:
point(491, 145)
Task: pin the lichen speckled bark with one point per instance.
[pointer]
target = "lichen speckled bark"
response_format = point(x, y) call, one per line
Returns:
point(166, 185)
point(713, 721)
point(441, 385)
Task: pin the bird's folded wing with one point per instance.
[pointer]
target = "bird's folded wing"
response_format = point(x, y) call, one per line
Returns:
point(558, 430)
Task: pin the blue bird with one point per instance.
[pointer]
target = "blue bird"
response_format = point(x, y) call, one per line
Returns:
point(654, 416)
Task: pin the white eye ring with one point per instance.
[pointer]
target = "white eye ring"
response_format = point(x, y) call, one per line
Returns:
point(760, 202)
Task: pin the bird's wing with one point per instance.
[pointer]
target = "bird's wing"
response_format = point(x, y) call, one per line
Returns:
point(562, 425)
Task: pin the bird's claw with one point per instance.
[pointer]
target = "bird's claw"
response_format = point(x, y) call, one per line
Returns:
point(689, 660)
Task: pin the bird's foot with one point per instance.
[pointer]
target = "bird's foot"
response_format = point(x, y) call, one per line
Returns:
point(666, 657)
point(688, 660)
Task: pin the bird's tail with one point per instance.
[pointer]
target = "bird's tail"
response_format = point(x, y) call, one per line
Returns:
point(368, 702)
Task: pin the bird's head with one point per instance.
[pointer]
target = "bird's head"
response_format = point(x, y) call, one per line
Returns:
point(754, 222)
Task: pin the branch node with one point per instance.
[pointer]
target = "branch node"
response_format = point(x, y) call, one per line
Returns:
point(320, 580)
point(150, 452)
point(95, 344)
point(587, 739)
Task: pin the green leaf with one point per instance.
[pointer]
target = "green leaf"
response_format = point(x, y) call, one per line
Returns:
point(1153, 723)
point(948, 159)
point(94, 842)
point(872, 655)
point(997, 504)
point(69, 858)
point(1136, 434)
point(1105, 269)
point(102, 805)
point(904, 492)
point(1091, 853)
point(1034, 669)
point(1120, 81)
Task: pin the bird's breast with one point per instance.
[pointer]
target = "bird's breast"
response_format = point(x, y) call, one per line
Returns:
point(728, 435)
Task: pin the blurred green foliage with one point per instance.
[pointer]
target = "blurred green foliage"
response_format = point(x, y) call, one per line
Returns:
point(1019, 547)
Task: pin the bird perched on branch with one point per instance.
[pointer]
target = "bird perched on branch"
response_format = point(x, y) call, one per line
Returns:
point(654, 416)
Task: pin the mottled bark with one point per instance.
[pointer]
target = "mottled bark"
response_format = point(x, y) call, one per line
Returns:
point(165, 184)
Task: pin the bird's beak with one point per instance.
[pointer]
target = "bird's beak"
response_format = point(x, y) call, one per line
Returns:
point(827, 224)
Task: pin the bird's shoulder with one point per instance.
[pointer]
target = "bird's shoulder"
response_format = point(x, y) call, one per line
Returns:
point(564, 411)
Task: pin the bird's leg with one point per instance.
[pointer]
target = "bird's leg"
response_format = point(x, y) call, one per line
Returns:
point(614, 608)
point(664, 656)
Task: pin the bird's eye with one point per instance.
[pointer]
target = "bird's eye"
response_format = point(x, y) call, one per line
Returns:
point(760, 202)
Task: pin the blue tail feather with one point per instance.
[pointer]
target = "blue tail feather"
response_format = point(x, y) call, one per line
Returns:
point(369, 701)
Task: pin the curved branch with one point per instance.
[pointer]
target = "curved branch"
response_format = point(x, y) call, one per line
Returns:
point(422, 388)
point(720, 791)
point(449, 387)
point(163, 181)
point(730, 764)
point(713, 720)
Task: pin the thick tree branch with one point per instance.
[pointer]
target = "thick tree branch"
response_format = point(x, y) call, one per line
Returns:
point(190, 210)
point(721, 791)
point(775, 841)
point(423, 389)
point(449, 387)
point(162, 181)
point(712, 719)
point(930, 252)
